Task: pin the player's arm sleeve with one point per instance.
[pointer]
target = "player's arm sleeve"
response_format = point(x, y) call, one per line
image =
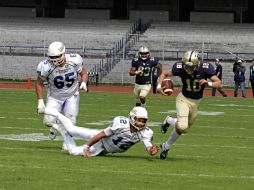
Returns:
point(40, 71)
point(133, 68)
point(147, 139)
point(112, 128)
point(176, 69)
point(79, 62)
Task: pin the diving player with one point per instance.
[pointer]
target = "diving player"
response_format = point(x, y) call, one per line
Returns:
point(119, 136)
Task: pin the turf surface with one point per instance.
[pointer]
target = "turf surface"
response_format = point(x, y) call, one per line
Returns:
point(216, 154)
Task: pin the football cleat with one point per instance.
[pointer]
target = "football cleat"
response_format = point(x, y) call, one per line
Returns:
point(165, 126)
point(164, 152)
point(52, 133)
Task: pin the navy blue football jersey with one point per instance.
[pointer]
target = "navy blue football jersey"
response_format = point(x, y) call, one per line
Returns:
point(146, 66)
point(191, 87)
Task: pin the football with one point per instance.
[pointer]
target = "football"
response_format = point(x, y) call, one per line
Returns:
point(167, 85)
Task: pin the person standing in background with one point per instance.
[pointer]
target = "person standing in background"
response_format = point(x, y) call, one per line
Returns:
point(239, 78)
point(218, 72)
point(252, 76)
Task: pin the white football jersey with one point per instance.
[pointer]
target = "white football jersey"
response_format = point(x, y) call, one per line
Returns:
point(119, 137)
point(63, 81)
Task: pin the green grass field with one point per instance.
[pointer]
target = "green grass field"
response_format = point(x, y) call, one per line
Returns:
point(216, 154)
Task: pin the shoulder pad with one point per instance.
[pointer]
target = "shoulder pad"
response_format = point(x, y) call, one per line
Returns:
point(45, 61)
point(205, 65)
point(74, 59)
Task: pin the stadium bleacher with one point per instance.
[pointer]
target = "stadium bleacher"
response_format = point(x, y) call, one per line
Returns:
point(166, 40)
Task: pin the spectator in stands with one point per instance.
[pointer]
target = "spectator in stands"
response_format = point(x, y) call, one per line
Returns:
point(121, 134)
point(252, 77)
point(194, 75)
point(218, 72)
point(239, 78)
point(142, 67)
point(60, 71)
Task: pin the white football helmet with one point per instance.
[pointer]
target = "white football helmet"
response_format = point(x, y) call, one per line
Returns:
point(56, 53)
point(191, 61)
point(138, 118)
point(143, 53)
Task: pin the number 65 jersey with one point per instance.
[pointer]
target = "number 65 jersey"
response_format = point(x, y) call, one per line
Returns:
point(63, 81)
point(120, 138)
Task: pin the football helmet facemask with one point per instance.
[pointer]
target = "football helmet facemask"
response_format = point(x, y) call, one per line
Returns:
point(56, 53)
point(138, 118)
point(191, 61)
point(143, 53)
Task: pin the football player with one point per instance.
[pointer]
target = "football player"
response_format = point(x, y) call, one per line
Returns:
point(142, 67)
point(194, 75)
point(60, 71)
point(119, 136)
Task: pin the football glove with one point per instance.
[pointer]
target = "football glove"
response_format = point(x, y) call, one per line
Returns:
point(41, 106)
point(154, 150)
point(83, 86)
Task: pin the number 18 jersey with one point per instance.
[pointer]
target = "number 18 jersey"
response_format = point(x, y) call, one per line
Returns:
point(63, 81)
point(191, 86)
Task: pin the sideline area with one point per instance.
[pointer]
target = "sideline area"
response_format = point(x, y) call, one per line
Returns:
point(129, 89)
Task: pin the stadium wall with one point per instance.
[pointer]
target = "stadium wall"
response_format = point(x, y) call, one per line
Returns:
point(18, 12)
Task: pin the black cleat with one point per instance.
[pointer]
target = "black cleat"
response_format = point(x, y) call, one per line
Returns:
point(138, 104)
point(52, 133)
point(164, 152)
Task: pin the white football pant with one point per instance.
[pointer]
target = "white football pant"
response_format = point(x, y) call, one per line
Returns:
point(70, 108)
point(67, 130)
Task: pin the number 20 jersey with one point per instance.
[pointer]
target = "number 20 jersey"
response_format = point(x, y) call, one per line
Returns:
point(119, 137)
point(63, 81)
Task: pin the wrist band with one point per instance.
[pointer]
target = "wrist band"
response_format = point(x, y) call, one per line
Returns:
point(40, 101)
point(158, 85)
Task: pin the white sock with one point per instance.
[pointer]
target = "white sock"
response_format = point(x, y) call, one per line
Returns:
point(172, 121)
point(68, 140)
point(174, 136)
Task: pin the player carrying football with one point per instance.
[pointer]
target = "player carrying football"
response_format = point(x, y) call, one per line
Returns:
point(194, 74)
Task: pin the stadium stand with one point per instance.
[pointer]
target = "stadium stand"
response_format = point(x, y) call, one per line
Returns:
point(95, 39)
point(92, 38)
point(237, 37)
